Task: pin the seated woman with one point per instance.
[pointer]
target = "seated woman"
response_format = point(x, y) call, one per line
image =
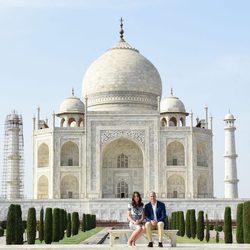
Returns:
point(136, 218)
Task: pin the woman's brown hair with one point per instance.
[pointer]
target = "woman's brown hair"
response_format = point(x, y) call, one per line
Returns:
point(133, 203)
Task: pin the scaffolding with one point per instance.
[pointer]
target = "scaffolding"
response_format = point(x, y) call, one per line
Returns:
point(13, 158)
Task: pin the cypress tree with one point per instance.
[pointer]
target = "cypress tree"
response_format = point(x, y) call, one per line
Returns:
point(75, 223)
point(41, 226)
point(239, 224)
point(228, 236)
point(61, 224)
point(48, 226)
point(10, 225)
point(19, 229)
point(246, 219)
point(56, 225)
point(181, 224)
point(207, 229)
point(83, 222)
point(217, 238)
point(193, 223)
point(31, 226)
point(200, 226)
point(65, 219)
point(68, 225)
point(188, 226)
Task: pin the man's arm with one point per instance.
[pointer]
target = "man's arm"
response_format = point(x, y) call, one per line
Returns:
point(163, 214)
point(147, 213)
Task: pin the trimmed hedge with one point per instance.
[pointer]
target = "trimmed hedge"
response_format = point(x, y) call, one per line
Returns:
point(41, 225)
point(239, 224)
point(181, 224)
point(83, 222)
point(10, 227)
point(246, 219)
point(228, 236)
point(188, 225)
point(68, 232)
point(56, 225)
point(193, 223)
point(31, 226)
point(207, 229)
point(75, 223)
point(19, 228)
point(200, 226)
point(48, 226)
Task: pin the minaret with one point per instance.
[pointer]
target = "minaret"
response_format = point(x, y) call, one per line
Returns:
point(231, 181)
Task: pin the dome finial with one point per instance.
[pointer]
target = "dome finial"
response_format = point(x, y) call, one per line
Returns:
point(171, 91)
point(121, 31)
point(73, 92)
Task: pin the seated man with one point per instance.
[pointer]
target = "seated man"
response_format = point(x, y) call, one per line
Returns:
point(155, 214)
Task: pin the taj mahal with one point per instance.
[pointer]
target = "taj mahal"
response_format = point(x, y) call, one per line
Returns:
point(122, 136)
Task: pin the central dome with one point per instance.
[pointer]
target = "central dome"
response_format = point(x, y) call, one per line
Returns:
point(122, 79)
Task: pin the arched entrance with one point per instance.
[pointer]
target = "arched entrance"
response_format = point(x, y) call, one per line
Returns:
point(122, 169)
point(43, 187)
point(69, 187)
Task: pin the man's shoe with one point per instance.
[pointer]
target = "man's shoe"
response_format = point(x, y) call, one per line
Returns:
point(150, 244)
point(160, 244)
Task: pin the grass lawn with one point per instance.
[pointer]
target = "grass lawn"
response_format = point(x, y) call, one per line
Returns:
point(76, 239)
point(186, 240)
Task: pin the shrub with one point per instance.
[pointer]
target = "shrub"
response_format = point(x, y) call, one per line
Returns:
point(41, 225)
point(1, 232)
point(200, 226)
point(181, 224)
point(68, 232)
point(48, 226)
point(56, 225)
point(75, 223)
point(218, 228)
point(246, 219)
point(83, 222)
point(3, 224)
point(239, 224)
point(188, 226)
point(207, 229)
point(217, 237)
point(193, 223)
point(228, 236)
point(10, 227)
point(61, 224)
point(19, 229)
point(31, 226)
point(211, 227)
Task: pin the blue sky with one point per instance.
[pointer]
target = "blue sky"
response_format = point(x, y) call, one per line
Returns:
point(201, 49)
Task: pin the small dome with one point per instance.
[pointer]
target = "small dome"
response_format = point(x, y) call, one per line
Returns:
point(72, 104)
point(122, 79)
point(229, 116)
point(172, 104)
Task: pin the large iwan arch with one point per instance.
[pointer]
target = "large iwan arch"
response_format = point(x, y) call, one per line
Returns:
point(122, 166)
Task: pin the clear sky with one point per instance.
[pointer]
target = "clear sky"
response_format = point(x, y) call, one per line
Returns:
point(201, 49)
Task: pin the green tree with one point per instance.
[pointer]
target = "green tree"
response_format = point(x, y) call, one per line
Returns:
point(56, 225)
point(228, 236)
point(246, 219)
point(19, 229)
point(193, 223)
point(69, 225)
point(239, 224)
point(181, 224)
point(200, 226)
point(75, 223)
point(31, 226)
point(10, 225)
point(207, 229)
point(83, 222)
point(48, 226)
point(41, 225)
point(188, 226)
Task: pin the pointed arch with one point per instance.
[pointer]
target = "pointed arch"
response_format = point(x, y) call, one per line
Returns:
point(43, 187)
point(163, 122)
point(69, 154)
point(175, 154)
point(43, 155)
point(122, 162)
point(72, 122)
point(175, 186)
point(172, 122)
point(69, 187)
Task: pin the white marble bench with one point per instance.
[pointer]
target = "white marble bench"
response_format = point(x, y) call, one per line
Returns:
point(171, 234)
